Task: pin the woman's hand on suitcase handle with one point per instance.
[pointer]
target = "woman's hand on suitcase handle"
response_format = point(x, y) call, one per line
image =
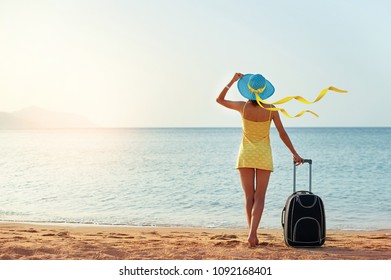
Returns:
point(298, 159)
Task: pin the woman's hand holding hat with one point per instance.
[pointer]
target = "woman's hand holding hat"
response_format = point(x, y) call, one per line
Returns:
point(237, 76)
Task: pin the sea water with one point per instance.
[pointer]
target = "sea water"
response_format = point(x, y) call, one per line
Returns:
point(186, 177)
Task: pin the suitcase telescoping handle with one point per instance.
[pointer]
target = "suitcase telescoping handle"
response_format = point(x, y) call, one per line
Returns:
point(309, 161)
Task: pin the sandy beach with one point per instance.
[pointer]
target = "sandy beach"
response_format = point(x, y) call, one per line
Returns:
point(19, 241)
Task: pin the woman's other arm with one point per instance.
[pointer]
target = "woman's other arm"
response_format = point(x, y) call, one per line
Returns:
point(285, 138)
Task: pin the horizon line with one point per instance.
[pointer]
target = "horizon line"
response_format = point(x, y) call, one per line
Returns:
point(180, 127)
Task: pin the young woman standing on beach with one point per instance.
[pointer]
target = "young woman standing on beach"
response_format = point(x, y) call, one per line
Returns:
point(255, 156)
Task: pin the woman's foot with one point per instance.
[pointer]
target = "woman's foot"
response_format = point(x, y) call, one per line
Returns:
point(252, 242)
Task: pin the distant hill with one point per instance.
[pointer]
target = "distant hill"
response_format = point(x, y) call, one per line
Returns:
point(9, 121)
point(34, 117)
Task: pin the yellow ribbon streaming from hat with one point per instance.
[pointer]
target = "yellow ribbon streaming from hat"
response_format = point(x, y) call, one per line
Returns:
point(298, 98)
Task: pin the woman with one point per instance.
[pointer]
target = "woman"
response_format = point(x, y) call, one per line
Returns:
point(255, 157)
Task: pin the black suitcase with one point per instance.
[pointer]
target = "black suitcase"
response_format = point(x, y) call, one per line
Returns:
point(303, 218)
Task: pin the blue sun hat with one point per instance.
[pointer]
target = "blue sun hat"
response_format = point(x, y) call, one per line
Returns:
point(250, 84)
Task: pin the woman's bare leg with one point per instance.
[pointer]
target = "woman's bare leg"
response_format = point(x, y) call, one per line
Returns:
point(262, 181)
point(247, 177)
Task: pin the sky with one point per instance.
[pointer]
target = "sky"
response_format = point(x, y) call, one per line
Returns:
point(128, 63)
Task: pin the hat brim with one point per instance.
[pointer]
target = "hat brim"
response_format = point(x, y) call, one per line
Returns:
point(245, 92)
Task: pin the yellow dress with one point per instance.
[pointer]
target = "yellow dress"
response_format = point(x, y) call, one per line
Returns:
point(255, 150)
